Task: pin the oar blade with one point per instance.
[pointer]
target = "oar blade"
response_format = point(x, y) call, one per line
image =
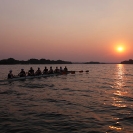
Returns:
point(72, 72)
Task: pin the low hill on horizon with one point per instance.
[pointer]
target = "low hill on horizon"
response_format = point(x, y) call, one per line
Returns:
point(11, 61)
point(130, 61)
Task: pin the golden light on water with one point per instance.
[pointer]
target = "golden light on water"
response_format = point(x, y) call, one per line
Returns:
point(120, 93)
point(119, 76)
point(119, 82)
point(116, 128)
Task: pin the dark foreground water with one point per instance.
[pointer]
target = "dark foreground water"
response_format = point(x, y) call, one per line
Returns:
point(100, 101)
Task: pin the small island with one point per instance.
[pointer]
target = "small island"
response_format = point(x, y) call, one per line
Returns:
point(130, 61)
point(12, 61)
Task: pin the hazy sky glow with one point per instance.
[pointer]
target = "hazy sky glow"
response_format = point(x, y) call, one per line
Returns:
point(72, 30)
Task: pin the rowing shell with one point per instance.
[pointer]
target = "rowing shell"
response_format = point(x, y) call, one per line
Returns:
point(29, 77)
point(43, 75)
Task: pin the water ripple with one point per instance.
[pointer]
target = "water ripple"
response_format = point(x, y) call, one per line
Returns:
point(97, 102)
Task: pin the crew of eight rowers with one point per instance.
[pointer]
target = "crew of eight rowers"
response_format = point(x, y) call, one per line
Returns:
point(38, 72)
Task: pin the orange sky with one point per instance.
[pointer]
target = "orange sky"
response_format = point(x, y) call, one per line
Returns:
point(72, 30)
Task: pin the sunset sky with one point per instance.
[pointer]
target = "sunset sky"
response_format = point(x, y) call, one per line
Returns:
point(71, 30)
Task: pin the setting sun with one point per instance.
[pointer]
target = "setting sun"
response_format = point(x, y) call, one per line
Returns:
point(120, 49)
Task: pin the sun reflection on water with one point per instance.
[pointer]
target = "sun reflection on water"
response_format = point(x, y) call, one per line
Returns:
point(119, 87)
point(119, 92)
point(120, 76)
point(119, 81)
point(116, 128)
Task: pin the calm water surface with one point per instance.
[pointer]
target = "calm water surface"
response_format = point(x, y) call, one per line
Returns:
point(100, 101)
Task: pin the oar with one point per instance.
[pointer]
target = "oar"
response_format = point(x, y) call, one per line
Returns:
point(87, 71)
point(64, 73)
point(72, 72)
point(78, 71)
point(81, 71)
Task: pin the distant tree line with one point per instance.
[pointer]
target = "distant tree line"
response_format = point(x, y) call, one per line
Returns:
point(92, 62)
point(130, 61)
point(32, 61)
point(11, 61)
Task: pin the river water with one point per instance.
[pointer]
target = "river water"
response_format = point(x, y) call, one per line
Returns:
point(100, 101)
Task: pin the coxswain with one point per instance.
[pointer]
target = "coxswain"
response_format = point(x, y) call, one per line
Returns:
point(31, 72)
point(45, 71)
point(51, 71)
point(38, 72)
point(10, 75)
point(65, 69)
point(22, 73)
point(56, 70)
